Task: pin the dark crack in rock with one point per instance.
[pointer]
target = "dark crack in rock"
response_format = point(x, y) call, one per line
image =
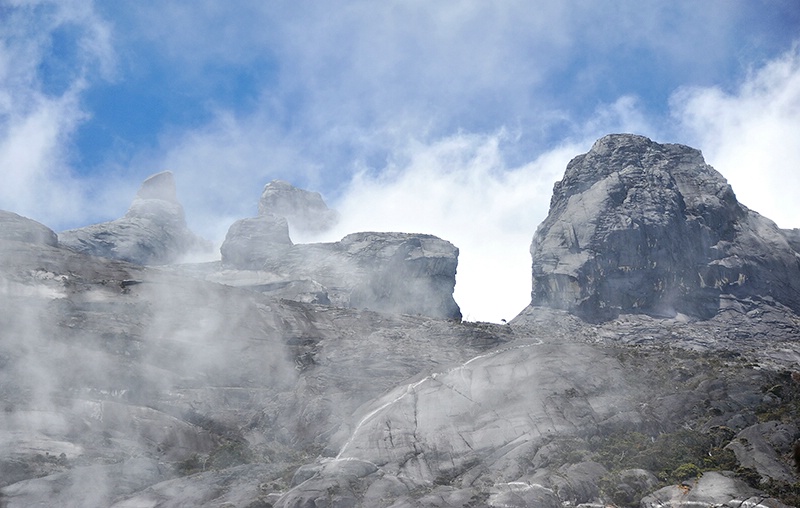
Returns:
point(637, 226)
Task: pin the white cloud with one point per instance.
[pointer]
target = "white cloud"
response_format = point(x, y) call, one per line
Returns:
point(460, 189)
point(350, 70)
point(35, 122)
point(751, 135)
point(424, 102)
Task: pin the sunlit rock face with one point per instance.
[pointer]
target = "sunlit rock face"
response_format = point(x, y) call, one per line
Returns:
point(305, 210)
point(638, 226)
point(152, 232)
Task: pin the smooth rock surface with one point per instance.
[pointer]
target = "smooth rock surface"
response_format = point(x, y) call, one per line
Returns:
point(17, 228)
point(152, 232)
point(251, 242)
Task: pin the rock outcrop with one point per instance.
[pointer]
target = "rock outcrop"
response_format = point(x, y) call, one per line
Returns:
point(21, 229)
point(304, 210)
point(637, 226)
point(388, 272)
point(152, 232)
point(251, 242)
point(125, 385)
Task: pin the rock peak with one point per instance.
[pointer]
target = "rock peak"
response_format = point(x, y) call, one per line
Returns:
point(304, 210)
point(638, 226)
point(152, 232)
point(159, 186)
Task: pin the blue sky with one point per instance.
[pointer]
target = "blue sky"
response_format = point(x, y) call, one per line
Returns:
point(448, 117)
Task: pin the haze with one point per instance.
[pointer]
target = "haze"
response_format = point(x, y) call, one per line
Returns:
point(450, 118)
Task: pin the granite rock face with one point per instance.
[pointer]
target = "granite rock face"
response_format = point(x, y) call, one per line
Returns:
point(152, 232)
point(637, 226)
point(129, 386)
point(304, 210)
point(251, 242)
point(388, 272)
point(397, 272)
point(21, 229)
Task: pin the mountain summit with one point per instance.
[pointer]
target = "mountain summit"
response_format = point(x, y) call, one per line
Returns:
point(657, 365)
point(638, 226)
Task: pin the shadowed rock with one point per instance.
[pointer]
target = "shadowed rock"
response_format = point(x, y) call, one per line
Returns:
point(637, 226)
point(152, 232)
point(21, 229)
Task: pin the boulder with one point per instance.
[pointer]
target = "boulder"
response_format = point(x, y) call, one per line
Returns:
point(152, 232)
point(305, 210)
point(21, 229)
point(250, 242)
point(401, 272)
point(638, 226)
point(760, 447)
point(711, 489)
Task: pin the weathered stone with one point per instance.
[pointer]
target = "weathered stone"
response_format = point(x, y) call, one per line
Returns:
point(304, 210)
point(711, 489)
point(760, 446)
point(152, 232)
point(21, 229)
point(386, 272)
point(400, 272)
point(251, 242)
point(631, 485)
point(637, 226)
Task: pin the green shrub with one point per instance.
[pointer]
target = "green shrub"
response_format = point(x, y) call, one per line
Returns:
point(670, 453)
point(686, 471)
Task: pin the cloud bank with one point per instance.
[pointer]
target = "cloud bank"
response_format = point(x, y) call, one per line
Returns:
point(751, 135)
point(451, 118)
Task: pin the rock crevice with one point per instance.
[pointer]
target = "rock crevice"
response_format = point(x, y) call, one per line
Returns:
point(638, 226)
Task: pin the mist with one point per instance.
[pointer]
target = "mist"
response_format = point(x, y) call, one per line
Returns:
point(341, 368)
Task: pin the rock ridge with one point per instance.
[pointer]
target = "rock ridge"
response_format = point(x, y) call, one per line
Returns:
point(383, 271)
